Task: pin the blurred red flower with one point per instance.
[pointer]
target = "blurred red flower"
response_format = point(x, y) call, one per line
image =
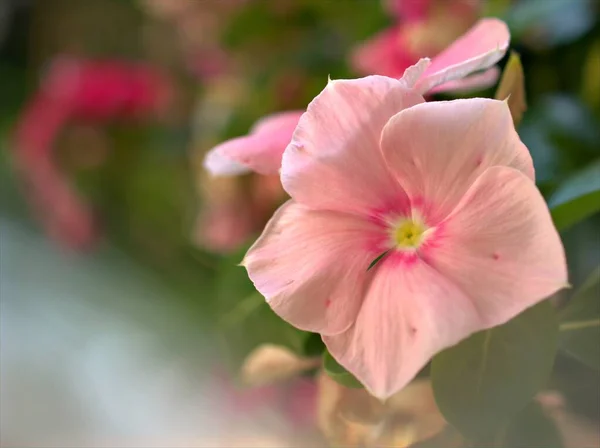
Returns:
point(94, 91)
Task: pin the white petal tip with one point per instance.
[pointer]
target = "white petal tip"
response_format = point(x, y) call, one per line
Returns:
point(218, 165)
point(413, 73)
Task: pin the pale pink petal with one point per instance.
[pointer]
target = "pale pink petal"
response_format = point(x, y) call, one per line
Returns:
point(480, 48)
point(478, 81)
point(218, 164)
point(438, 149)
point(334, 160)
point(388, 53)
point(260, 151)
point(500, 246)
point(286, 121)
point(311, 266)
point(414, 72)
point(409, 314)
point(408, 10)
point(224, 227)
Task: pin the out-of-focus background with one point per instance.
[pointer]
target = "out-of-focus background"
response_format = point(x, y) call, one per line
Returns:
point(124, 318)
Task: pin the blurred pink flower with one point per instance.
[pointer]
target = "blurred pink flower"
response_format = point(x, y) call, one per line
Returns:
point(424, 28)
point(478, 49)
point(260, 151)
point(295, 399)
point(414, 10)
point(73, 89)
point(208, 63)
point(235, 209)
point(225, 226)
point(411, 226)
point(199, 26)
point(408, 9)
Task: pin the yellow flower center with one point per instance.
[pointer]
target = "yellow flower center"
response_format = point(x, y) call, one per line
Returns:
point(409, 234)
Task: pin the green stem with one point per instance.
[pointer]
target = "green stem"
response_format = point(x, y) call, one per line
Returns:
point(244, 308)
point(580, 325)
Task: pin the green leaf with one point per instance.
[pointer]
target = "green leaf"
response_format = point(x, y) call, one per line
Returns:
point(482, 382)
point(580, 323)
point(562, 135)
point(576, 198)
point(590, 83)
point(244, 320)
point(512, 87)
point(495, 8)
point(570, 122)
point(313, 345)
point(546, 23)
point(252, 323)
point(338, 373)
point(449, 437)
point(533, 428)
point(376, 260)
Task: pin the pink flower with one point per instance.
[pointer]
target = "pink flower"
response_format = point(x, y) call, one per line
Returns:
point(445, 190)
point(101, 90)
point(425, 28)
point(224, 227)
point(95, 91)
point(459, 66)
point(262, 149)
point(415, 10)
point(236, 209)
point(295, 399)
point(408, 9)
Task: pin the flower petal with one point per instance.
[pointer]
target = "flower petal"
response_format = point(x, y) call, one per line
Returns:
point(278, 122)
point(438, 149)
point(500, 246)
point(311, 266)
point(271, 363)
point(481, 47)
point(218, 164)
point(388, 53)
point(224, 226)
point(334, 160)
point(260, 151)
point(414, 72)
point(478, 81)
point(410, 313)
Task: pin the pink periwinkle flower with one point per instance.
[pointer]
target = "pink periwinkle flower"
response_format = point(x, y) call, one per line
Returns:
point(73, 89)
point(480, 48)
point(424, 28)
point(260, 151)
point(411, 225)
